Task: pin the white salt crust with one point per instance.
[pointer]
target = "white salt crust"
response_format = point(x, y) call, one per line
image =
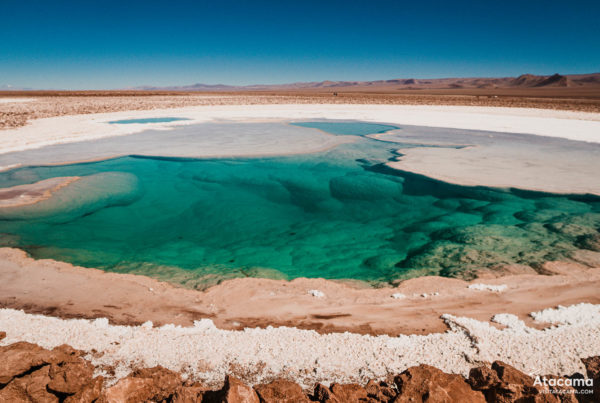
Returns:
point(581, 126)
point(316, 293)
point(488, 287)
point(15, 100)
point(570, 315)
point(206, 354)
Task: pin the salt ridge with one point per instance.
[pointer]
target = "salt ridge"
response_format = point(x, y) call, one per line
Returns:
point(205, 353)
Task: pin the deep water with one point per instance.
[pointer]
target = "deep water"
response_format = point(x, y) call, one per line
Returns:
point(336, 214)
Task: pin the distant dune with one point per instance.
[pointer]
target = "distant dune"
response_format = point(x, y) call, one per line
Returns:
point(399, 84)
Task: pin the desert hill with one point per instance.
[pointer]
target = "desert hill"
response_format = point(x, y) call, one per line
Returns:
point(399, 84)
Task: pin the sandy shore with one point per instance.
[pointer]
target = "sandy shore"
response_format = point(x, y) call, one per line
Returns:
point(414, 306)
point(23, 195)
point(472, 323)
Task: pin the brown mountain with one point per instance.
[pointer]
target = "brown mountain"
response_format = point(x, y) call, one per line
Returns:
point(524, 81)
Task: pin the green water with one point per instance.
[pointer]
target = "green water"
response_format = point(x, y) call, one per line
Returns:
point(337, 214)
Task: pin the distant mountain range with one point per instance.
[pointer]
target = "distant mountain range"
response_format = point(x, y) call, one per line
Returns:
point(523, 81)
point(576, 82)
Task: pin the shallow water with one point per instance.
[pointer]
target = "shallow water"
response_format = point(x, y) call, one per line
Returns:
point(347, 128)
point(146, 120)
point(335, 214)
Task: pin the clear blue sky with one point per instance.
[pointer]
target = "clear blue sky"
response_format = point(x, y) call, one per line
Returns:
point(93, 44)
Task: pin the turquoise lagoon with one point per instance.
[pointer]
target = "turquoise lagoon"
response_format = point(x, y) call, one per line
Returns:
point(338, 214)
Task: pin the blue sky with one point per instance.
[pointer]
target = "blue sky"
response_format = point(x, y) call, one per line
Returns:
point(92, 44)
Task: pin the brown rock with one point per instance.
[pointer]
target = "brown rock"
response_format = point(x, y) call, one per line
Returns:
point(380, 391)
point(281, 391)
point(19, 358)
point(592, 367)
point(235, 391)
point(350, 392)
point(68, 372)
point(481, 378)
point(29, 388)
point(565, 394)
point(89, 393)
point(340, 393)
point(509, 374)
point(504, 383)
point(67, 351)
point(2, 335)
point(155, 384)
point(428, 384)
point(70, 377)
point(13, 393)
point(515, 385)
point(188, 394)
point(129, 390)
point(323, 394)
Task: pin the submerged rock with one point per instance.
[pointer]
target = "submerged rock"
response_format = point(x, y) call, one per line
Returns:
point(589, 241)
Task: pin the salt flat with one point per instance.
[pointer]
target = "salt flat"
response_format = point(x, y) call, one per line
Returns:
point(581, 126)
point(568, 172)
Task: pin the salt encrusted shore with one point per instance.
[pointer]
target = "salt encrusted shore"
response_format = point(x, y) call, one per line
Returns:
point(581, 126)
point(413, 306)
point(485, 166)
point(29, 372)
point(204, 353)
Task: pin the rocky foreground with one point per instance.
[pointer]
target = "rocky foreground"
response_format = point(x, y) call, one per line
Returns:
point(29, 373)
